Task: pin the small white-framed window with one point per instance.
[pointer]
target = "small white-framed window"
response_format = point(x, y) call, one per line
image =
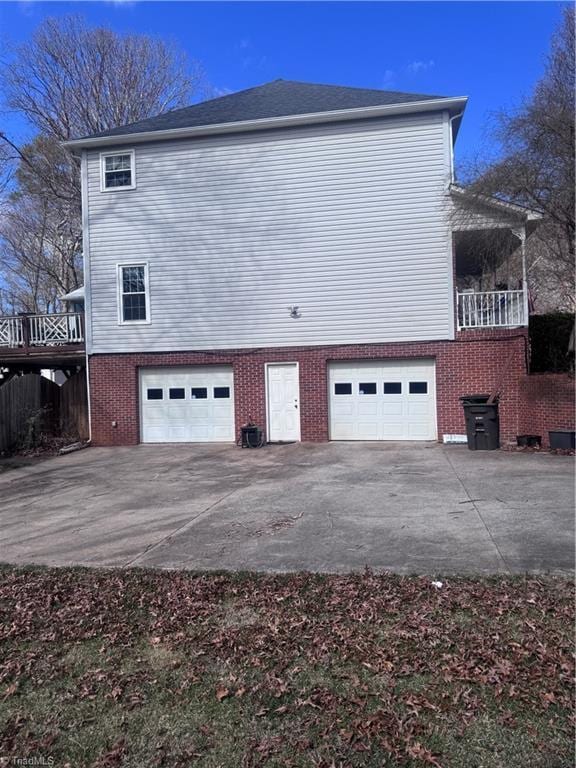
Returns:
point(117, 171)
point(133, 294)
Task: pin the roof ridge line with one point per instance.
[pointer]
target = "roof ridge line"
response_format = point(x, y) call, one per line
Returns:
point(191, 106)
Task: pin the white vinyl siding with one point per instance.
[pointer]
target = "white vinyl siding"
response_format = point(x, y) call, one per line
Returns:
point(348, 222)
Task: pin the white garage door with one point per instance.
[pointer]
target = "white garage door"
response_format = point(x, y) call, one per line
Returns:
point(382, 400)
point(187, 405)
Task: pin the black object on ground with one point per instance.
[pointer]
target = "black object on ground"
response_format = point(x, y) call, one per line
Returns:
point(482, 425)
point(251, 437)
point(529, 441)
point(562, 439)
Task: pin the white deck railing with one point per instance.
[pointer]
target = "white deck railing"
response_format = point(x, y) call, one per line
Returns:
point(491, 309)
point(11, 332)
point(42, 330)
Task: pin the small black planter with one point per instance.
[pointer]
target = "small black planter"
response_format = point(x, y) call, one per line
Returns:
point(251, 437)
point(562, 439)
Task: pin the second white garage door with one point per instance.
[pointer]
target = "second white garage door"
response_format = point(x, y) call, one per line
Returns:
point(187, 405)
point(382, 400)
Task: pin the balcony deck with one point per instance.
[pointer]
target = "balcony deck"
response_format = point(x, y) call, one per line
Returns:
point(42, 341)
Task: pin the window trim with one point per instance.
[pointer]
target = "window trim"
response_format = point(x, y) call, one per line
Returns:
point(103, 156)
point(120, 293)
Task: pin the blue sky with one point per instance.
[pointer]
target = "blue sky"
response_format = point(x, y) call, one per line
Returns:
point(493, 52)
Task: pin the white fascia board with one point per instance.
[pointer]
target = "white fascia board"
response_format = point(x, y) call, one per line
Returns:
point(431, 105)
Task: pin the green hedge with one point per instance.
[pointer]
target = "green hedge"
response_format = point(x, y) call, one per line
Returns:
point(549, 339)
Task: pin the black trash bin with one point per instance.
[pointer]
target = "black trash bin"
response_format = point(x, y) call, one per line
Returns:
point(482, 427)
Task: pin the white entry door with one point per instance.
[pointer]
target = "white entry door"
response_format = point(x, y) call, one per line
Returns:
point(193, 404)
point(283, 391)
point(382, 400)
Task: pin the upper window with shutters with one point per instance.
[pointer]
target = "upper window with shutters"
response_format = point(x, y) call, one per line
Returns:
point(117, 171)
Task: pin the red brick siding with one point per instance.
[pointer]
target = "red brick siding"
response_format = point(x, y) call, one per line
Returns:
point(474, 362)
point(546, 403)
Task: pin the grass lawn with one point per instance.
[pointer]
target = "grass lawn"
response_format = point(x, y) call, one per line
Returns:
point(147, 668)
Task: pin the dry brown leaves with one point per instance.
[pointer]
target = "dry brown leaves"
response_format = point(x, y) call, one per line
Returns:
point(469, 643)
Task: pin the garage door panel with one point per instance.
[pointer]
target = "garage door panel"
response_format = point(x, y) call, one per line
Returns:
point(344, 409)
point(388, 400)
point(368, 430)
point(176, 414)
point(392, 432)
point(393, 409)
point(177, 434)
point(367, 408)
point(200, 407)
point(153, 434)
point(417, 409)
point(199, 434)
point(417, 433)
point(343, 431)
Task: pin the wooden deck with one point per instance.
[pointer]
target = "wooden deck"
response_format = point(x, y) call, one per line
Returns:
point(30, 342)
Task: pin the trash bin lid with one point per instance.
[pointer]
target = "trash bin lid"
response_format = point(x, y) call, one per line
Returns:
point(472, 399)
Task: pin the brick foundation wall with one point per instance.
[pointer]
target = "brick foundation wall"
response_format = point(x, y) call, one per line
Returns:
point(546, 403)
point(477, 361)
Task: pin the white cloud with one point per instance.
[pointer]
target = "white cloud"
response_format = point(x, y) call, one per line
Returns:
point(416, 67)
point(217, 92)
point(26, 7)
point(388, 78)
point(254, 62)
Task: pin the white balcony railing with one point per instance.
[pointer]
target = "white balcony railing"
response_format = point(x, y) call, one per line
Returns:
point(46, 330)
point(42, 330)
point(11, 332)
point(491, 309)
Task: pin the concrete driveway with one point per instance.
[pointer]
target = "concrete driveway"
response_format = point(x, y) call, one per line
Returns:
point(409, 508)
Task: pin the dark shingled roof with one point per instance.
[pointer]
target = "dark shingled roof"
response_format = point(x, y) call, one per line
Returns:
point(276, 99)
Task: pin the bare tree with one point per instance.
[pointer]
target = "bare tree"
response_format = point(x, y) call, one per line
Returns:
point(70, 80)
point(536, 168)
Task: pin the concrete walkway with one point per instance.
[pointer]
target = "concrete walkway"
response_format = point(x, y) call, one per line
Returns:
point(405, 507)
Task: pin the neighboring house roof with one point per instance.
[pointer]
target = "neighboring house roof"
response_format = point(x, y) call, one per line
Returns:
point(272, 103)
point(76, 295)
point(511, 211)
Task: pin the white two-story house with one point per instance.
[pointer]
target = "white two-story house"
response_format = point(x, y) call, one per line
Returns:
point(289, 255)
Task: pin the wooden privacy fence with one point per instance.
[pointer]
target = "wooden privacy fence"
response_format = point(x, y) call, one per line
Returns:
point(74, 407)
point(22, 399)
point(32, 403)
